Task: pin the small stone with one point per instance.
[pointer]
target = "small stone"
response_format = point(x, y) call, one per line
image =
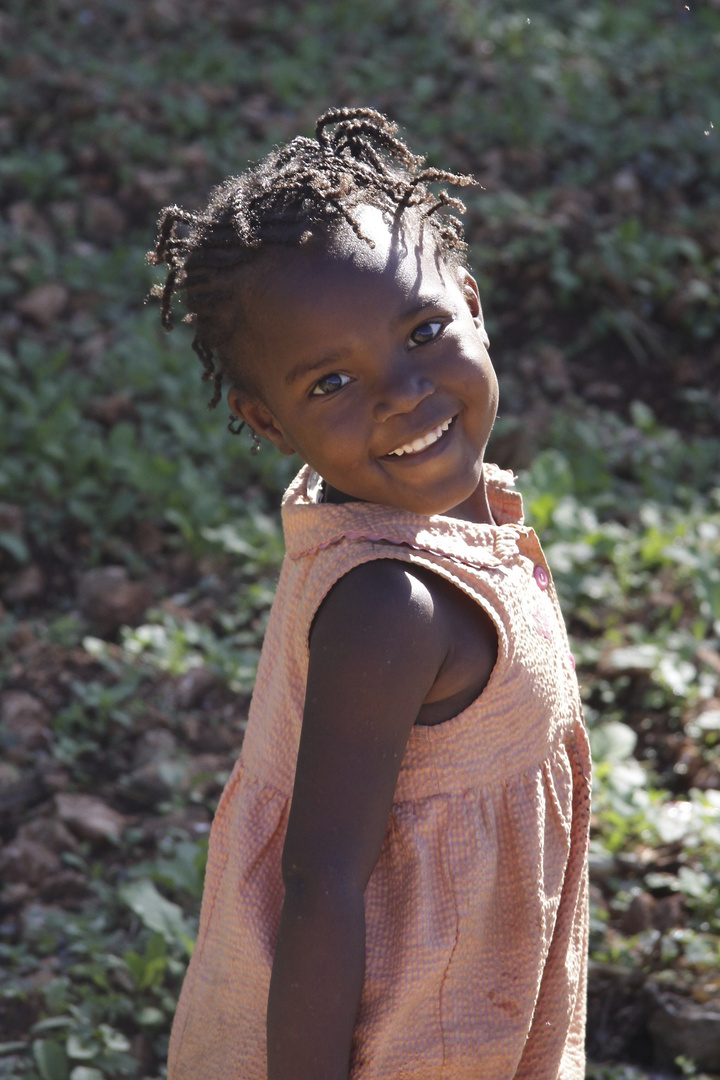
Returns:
point(669, 912)
point(553, 371)
point(12, 518)
point(15, 895)
point(193, 686)
point(149, 539)
point(687, 371)
point(195, 157)
point(681, 1026)
point(109, 600)
point(193, 818)
point(22, 637)
point(602, 391)
point(27, 861)
point(626, 191)
point(35, 918)
point(64, 214)
point(25, 725)
point(68, 888)
point(18, 708)
point(24, 216)
point(9, 773)
point(147, 786)
point(707, 778)
point(92, 348)
point(50, 832)
point(55, 777)
point(141, 1050)
point(158, 184)
point(154, 746)
point(47, 969)
point(639, 916)
point(104, 220)
point(44, 303)
point(89, 817)
point(29, 584)
point(601, 867)
point(112, 409)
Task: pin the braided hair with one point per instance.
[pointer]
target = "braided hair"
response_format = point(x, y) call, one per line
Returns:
point(300, 190)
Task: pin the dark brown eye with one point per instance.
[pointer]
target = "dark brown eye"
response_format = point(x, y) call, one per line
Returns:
point(426, 332)
point(329, 384)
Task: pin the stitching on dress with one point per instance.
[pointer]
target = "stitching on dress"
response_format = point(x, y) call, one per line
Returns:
point(447, 869)
point(199, 951)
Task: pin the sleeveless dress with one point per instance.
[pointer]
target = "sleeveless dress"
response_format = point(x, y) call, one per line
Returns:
point(476, 912)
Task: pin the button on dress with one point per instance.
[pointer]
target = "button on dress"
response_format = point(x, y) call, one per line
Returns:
point(476, 912)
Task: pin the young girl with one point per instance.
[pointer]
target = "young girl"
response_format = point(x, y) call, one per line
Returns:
point(396, 885)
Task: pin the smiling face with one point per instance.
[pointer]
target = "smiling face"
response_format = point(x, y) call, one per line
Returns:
point(371, 364)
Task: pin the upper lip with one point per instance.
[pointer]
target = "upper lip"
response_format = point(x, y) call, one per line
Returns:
point(408, 445)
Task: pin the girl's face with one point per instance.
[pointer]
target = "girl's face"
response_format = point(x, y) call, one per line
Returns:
point(370, 363)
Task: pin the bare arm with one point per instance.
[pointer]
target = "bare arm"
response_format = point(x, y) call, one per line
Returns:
point(375, 651)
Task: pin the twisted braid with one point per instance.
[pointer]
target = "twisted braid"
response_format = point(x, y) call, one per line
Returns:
point(303, 189)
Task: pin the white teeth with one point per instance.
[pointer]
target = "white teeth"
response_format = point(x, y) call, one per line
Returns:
point(423, 441)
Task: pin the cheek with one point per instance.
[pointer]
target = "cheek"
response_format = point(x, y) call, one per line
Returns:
point(493, 386)
point(323, 435)
point(487, 373)
point(340, 421)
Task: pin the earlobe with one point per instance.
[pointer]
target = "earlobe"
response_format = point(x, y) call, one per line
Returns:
point(257, 416)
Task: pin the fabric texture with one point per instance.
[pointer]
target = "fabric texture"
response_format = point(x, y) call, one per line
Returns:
point(476, 912)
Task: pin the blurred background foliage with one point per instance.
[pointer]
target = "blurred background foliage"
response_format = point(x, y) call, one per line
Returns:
point(139, 542)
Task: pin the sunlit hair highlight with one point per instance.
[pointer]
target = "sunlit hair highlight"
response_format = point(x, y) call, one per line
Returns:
point(300, 191)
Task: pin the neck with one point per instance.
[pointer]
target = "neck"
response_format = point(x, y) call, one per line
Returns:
point(476, 508)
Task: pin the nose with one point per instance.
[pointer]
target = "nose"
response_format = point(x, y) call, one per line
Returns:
point(402, 390)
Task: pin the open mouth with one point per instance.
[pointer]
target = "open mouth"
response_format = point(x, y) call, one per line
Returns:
point(422, 443)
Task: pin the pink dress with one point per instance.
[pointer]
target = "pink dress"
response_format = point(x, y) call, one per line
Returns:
point(476, 912)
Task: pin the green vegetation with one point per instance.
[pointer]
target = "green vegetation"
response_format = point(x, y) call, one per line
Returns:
point(139, 542)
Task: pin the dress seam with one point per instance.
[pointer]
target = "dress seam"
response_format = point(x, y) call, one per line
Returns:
point(207, 922)
point(451, 884)
point(562, 743)
point(242, 766)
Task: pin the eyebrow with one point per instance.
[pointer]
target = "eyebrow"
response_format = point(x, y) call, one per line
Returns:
point(303, 369)
point(312, 365)
point(422, 305)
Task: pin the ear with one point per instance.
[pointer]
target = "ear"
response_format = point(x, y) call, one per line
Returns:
point(471, 293)
point(257, 416)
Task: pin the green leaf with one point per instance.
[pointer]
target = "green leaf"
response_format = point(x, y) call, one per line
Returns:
point(12, 1048)
point(150, 1016)
point(706, 721)
point(86, 1072)
point(50, 1023)
point(15, 546)
point(148, 970)
point(136, 966)
point(81, 1049)
point(51, 1059)
point(642, 657)
point(155, 912)
point(114, 1040)
point(612, 742)
point(695, 883)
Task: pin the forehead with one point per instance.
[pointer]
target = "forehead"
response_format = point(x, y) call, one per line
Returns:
point(390, 263)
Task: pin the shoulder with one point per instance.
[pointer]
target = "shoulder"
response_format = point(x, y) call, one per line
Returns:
point(385, 595)
point(378, 625)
